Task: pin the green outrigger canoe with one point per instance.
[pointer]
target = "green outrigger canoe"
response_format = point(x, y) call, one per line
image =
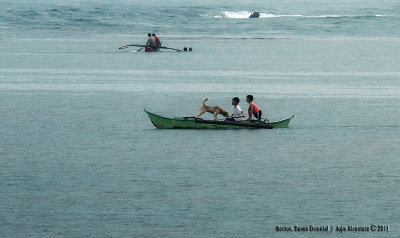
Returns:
point(197, 123)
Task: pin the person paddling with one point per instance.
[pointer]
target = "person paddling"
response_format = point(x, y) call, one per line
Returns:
point(158, 42)
point(253, 108)
point(151, 41)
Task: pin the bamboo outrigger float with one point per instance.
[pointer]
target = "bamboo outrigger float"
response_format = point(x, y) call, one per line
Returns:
point(197, 123)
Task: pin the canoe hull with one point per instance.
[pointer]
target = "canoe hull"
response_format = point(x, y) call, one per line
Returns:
point(149, 49)
point(195, 123)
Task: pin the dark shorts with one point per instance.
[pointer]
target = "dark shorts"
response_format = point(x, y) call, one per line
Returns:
point(258, 115)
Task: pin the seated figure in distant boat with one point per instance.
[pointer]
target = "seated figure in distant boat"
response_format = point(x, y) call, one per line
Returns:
point(254, 110)
point(151, 41)
point(237, 113)
point(158, 42)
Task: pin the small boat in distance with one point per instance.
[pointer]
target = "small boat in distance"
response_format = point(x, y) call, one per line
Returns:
point(197, 123)
point(154, 49)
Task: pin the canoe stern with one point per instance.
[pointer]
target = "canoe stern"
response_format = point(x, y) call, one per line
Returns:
point(281, 124)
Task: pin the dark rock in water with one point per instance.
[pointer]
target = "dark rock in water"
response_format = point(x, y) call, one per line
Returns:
point(255, 15)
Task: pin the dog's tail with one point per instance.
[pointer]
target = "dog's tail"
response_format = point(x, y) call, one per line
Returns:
point(204, 99)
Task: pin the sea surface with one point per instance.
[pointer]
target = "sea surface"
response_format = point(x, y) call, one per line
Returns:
point(80, 158)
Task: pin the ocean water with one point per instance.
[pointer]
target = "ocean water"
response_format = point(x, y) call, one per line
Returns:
point(80, 158)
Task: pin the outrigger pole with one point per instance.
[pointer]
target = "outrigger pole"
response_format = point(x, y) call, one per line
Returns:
point(163, 47)
point(126, 46)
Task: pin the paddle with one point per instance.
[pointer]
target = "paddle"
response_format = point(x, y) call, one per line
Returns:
point(229, 117)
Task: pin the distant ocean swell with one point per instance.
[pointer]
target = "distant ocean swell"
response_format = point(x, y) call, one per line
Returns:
point(56, 17)
point(192, 21)
point(102, 16)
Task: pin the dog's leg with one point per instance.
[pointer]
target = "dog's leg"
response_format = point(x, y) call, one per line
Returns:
point(202, 111)
point(215, 116)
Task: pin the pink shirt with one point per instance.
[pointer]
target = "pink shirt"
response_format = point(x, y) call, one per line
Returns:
point(158, 42)
point(255, 107)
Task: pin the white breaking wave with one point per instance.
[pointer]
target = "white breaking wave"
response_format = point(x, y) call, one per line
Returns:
point(242, 14)
point(246, 14)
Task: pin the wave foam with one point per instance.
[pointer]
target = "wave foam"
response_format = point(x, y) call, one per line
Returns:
point(241, 14)
point(246, 14)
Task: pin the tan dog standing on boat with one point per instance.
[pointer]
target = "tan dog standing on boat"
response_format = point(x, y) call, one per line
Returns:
point(213, 110)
